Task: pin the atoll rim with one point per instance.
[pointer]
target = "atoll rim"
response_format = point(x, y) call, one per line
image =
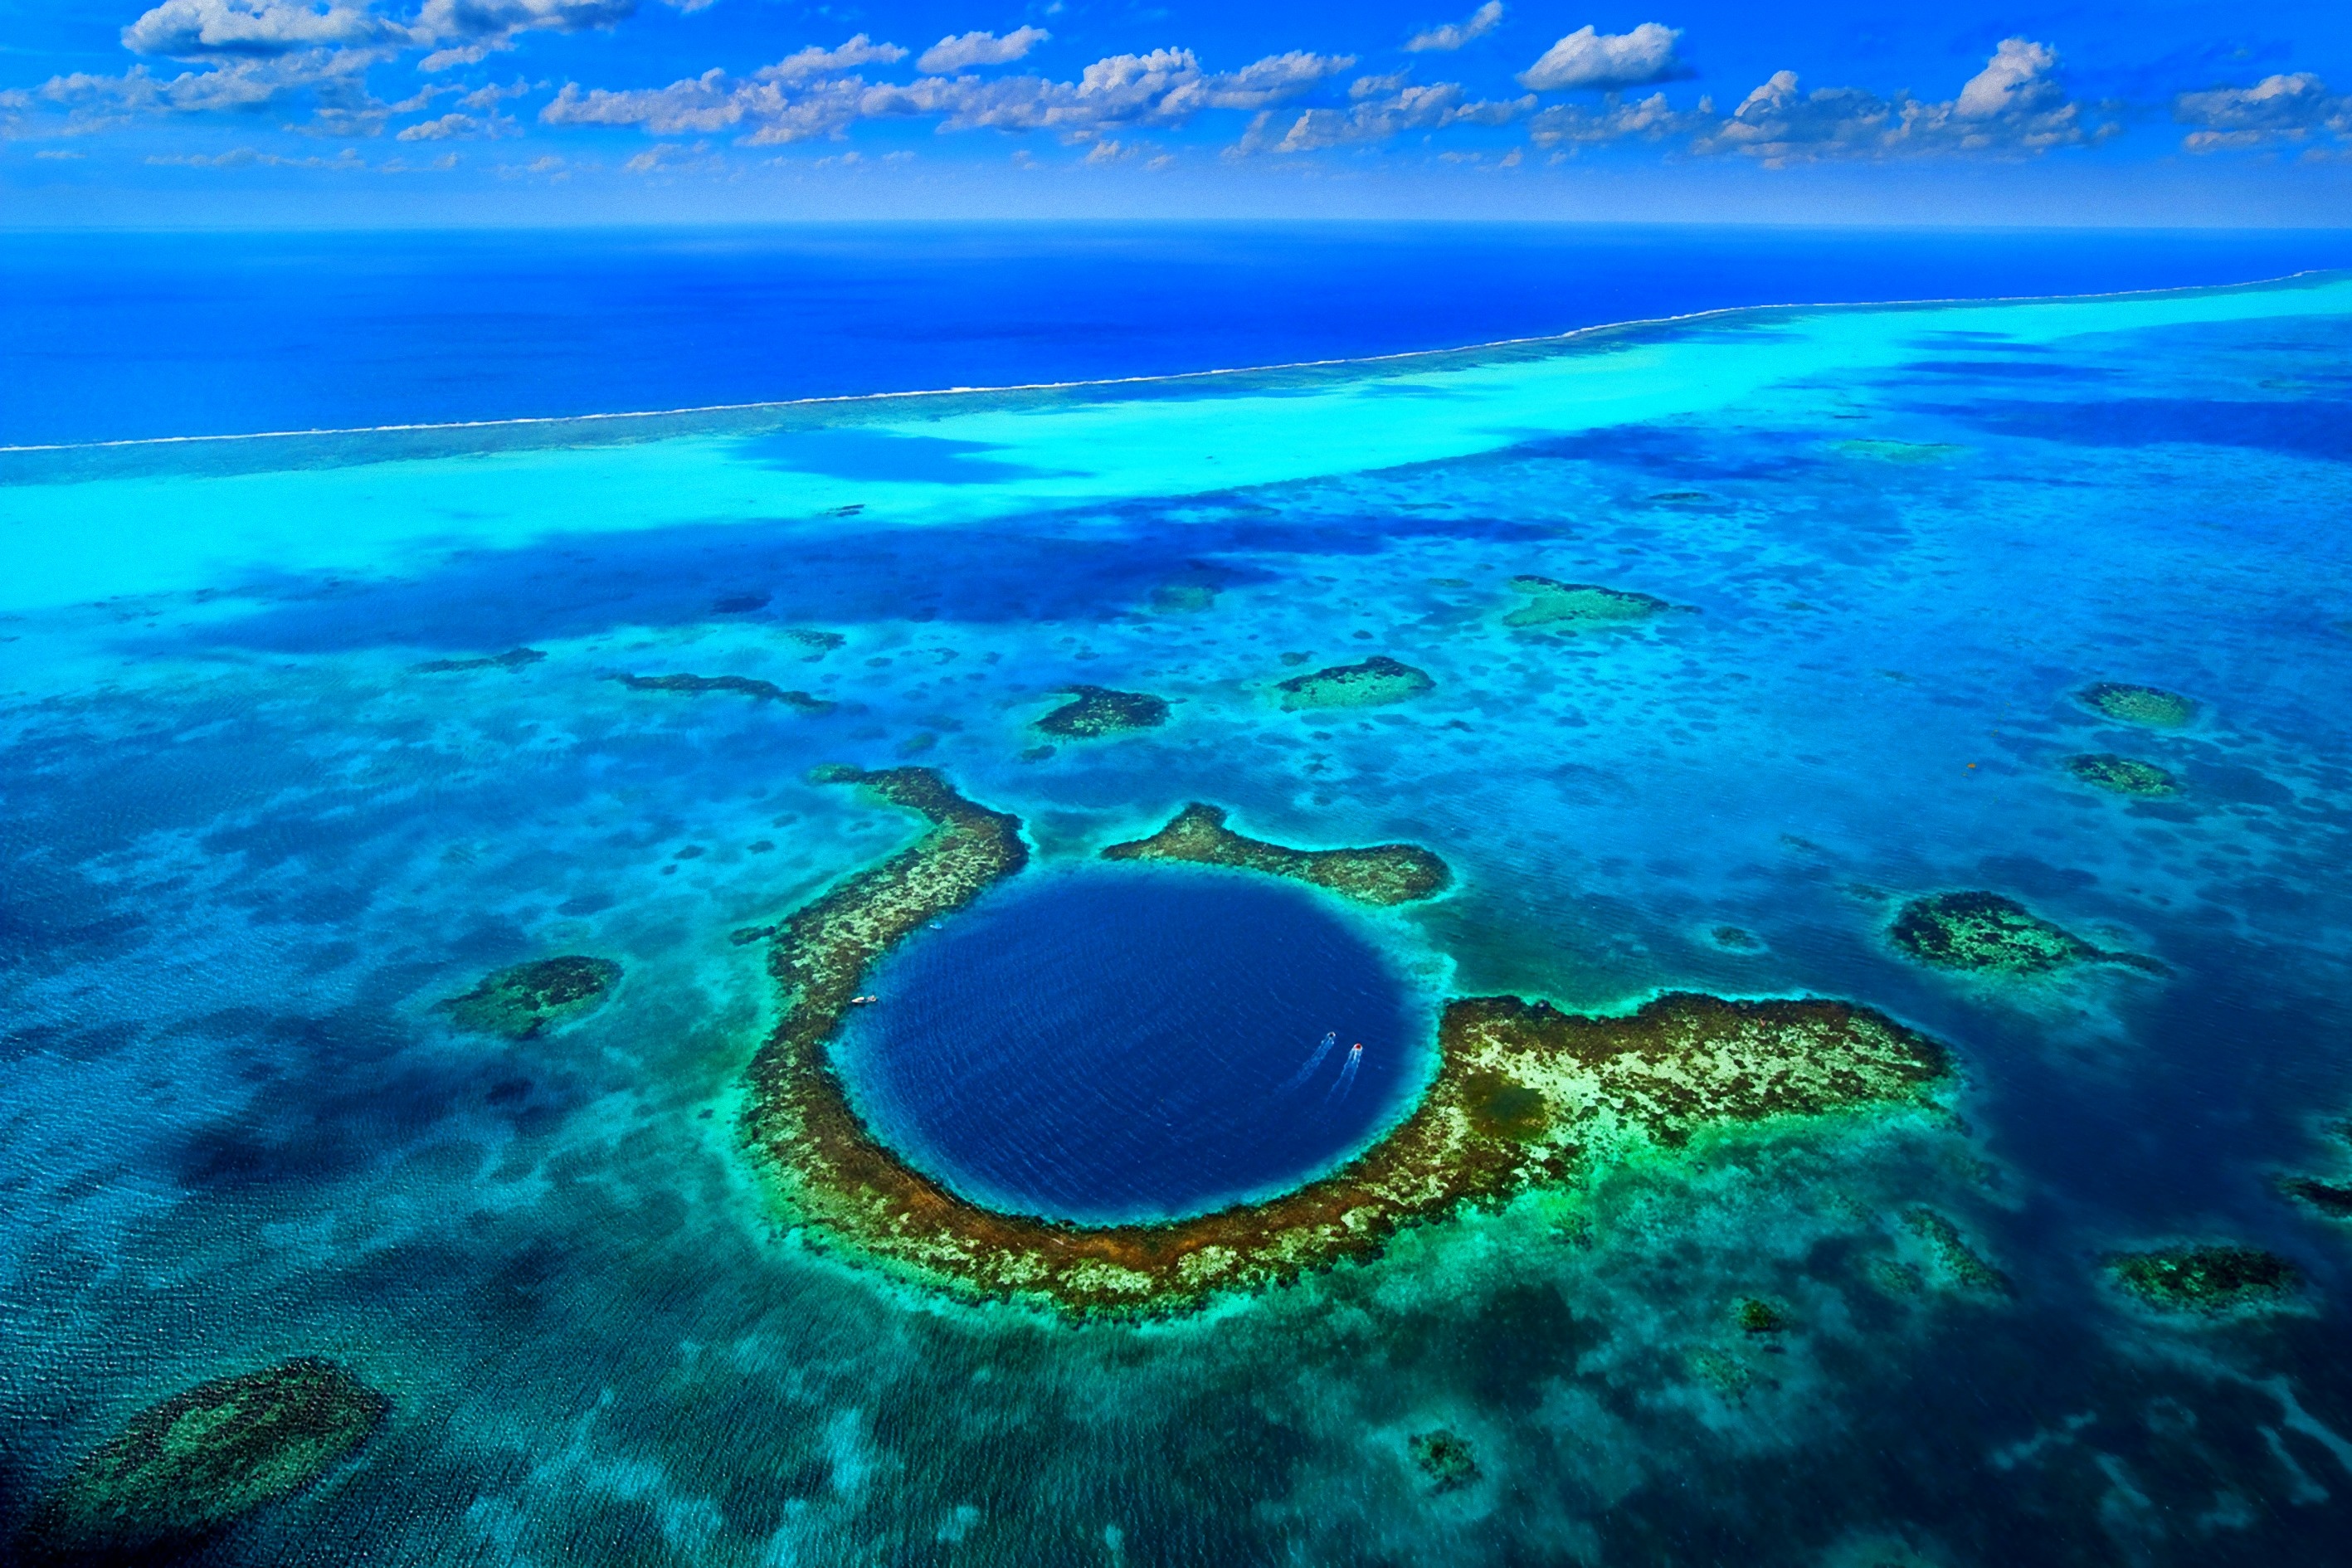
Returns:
point(186, 1469)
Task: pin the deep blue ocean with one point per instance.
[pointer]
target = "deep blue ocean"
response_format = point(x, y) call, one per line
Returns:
point(302, 738)
point(114, 336)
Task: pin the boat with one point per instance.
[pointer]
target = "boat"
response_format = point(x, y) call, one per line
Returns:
point(862, 1000)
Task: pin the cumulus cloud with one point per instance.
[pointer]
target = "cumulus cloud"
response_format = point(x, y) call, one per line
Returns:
point(1588, 57)
point(814, 61)
point(950, 55)
point(1382, 107)
point(792, 101)
point(2015, 105)
point(447, 126)
point(246, 157)
point(1454, 35)
point(470, 30)
point(195, 30)
point(2276, 109)
point(1652, 119)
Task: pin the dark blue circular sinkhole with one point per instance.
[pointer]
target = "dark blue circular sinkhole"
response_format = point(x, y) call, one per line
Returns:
point(1120, 1044)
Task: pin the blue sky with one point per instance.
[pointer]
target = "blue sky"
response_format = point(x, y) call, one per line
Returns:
point(507, 110)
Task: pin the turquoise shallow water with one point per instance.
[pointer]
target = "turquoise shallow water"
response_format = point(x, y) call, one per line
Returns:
point(252, 842)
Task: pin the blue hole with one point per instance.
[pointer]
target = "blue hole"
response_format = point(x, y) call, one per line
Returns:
point(1117, 1044)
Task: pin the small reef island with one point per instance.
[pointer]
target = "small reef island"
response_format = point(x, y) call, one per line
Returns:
point(1524, 1094)
point(1382, 874)
point(2123, 775)
point(741, 685)
point(1094, 711)
point(2208, 1280)
point(186, 1469)
point(1985, 934)
point(2149, 705)
point(530, 999)
point(1375, 682)
point(1571, 607)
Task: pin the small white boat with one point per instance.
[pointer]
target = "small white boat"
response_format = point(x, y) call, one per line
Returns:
point(862, 1000)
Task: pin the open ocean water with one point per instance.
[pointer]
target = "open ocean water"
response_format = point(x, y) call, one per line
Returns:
point(268, 797)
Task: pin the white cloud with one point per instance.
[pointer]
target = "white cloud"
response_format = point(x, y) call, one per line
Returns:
point(2016, 80)
point(1454, 35)
point(1587, 58)
point(1385, 106)
point(455, 125)
point(812, 61)
point(199, 28)
point(793, 101)
point(1651, 119)
point(2015, 105)
point(952, 55)
point(246, 157)
point(470, 30)
point(2276, 109)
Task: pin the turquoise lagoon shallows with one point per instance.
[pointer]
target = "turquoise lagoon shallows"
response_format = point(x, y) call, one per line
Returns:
point(302, 738)
point(1130, 1043)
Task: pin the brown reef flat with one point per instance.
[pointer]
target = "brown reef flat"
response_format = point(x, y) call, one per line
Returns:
point(1381, 874)
point(1524, 1095)
point(741, 685)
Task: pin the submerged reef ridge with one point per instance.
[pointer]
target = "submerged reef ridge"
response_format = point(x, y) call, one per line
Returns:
point(2205, 1279)
point(1989, 934)
point(513, 659)
point(2124, 775)
point(1957, 1258)
point(1572, 604)
point(1524, 1095)
point(1446, 1458)
point(2333, 1199)
point(530, 998)
point(1097, 711)
point(744, 685)
point(2149, 705)
point(1382, 874)
point(185, 1469)
point(1375, 682)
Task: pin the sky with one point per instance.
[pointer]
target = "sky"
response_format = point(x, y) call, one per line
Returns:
point(500, 111)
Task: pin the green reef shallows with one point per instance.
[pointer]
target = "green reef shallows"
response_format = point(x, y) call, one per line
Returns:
point(2149, 705)
point(1382, 874)
point(2207, 1279)
point(742, 685)
point(1573, 605)
point(2123, 776)
point(530, 998)
point(1957, 1258)
point(184, 1470)
point(1378, 680)
point(1097, 711)
point(1446, 1458)
point(1988, 934)
point(1524, 1095)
